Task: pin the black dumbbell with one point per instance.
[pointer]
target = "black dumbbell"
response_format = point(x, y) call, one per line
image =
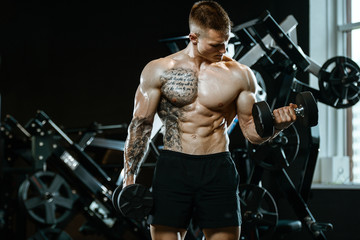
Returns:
point(306, 113)
point(135, 201)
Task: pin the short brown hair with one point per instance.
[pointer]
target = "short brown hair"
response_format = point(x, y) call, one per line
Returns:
point(210, 15)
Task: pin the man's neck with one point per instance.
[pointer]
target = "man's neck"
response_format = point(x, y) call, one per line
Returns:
point(198, 60)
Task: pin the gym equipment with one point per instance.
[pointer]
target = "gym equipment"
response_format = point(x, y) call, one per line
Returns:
point(339, 82)
point(278, 152)
point(134, 201)
point(43, 118)
point(259, 211)
point(47, 197)
point(95, 197)
point(307, 114)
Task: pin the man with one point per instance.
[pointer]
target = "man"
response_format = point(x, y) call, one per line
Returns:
point(196, 92)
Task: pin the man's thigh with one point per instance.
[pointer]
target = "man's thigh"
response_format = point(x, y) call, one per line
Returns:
point(226, 233)
point(159, 232)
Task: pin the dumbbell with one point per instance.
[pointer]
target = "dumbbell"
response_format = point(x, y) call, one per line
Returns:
point(134, 201)
point(306, 113)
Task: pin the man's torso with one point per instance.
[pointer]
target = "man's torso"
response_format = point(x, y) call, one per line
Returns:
point(197, 104)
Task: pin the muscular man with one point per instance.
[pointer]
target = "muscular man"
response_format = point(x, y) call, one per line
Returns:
point(196, 92)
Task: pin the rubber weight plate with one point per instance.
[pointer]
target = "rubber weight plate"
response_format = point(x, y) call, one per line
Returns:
point(311, 112)
point(115, 198)
point(339, 82)
point(263, 119)
point(259, 212)
point(135, 201)
point(47, 197)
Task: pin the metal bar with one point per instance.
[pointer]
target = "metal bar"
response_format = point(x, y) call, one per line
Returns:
point(299, 205)
point(245, 25)
point(348, 27)
point(108, 143)
point(13, 121)
point(81, 173)
point(43, 117)
point(61, 132)
point(310, 163)
point(286, 44)
point(252, 56)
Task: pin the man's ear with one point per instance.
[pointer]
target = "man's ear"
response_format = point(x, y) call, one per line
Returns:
point(193, 38)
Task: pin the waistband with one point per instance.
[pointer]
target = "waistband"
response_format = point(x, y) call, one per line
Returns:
point(169, 153)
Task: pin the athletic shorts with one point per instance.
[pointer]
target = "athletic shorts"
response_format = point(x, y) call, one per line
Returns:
point(203, 188)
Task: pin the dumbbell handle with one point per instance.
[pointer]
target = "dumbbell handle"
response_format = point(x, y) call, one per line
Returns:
point(299, 111)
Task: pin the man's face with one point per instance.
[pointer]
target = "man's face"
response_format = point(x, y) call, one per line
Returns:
point(212, 45)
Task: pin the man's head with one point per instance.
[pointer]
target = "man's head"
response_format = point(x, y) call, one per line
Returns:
point(210, 28)
point(205, 15)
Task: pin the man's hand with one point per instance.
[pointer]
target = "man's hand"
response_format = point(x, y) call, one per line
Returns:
point(284, 116)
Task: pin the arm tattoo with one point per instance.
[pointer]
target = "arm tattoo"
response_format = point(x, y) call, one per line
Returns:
point(136, 145)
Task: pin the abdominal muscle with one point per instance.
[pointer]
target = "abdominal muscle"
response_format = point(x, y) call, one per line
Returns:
point(194, 111)
point(197, 132)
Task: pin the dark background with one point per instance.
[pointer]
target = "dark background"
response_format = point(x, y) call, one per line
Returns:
point(80, 61)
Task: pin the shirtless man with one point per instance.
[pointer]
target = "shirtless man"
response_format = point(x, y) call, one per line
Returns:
point(196, 92)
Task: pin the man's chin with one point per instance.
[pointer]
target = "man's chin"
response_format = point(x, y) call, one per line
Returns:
point(217, 58)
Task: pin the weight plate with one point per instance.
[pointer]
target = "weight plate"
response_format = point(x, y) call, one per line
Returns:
point(115, 198)
point(263, 119)
point(135, 201)
point(310, 116)
point(259, 212)
point(277, 153)
point(339, 82)
point(47, 197)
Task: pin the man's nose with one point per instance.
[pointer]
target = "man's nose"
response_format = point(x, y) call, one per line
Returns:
point(223, 48)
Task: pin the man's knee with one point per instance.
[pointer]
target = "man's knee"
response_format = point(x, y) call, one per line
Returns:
point(226, 233)
point(160, 232)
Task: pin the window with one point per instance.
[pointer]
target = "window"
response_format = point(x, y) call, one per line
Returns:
point(335, 31)
point(352, 31)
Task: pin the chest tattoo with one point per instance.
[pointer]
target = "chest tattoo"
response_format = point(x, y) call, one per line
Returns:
point(180, 86)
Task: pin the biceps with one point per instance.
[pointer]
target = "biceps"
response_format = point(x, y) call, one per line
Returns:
point(244, 106)
point(146, 102)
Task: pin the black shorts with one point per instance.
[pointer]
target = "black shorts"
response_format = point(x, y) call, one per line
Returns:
point(203, 188)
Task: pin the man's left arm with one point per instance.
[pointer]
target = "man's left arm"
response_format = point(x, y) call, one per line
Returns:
point(283, 117)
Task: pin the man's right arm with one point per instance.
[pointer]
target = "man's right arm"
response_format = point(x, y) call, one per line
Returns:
point(147, 98)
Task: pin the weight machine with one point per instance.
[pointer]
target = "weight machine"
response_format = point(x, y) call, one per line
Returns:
point(62, 180)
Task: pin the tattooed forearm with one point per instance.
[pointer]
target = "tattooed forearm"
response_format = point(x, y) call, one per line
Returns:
point(136, 145)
